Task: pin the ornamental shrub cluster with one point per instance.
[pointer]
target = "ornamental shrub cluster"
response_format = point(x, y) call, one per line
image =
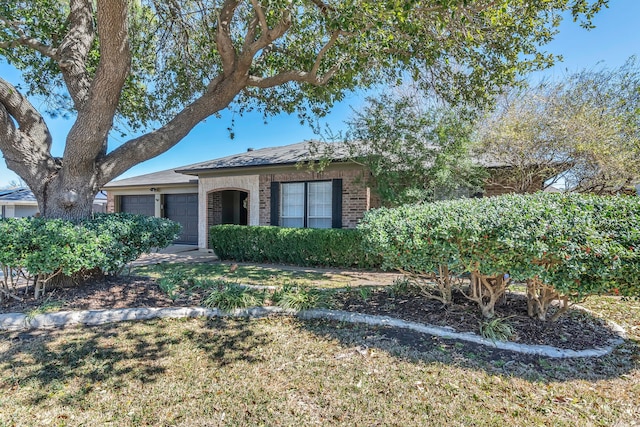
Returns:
point(298, 246)
point(563, 246)
point(36, 250)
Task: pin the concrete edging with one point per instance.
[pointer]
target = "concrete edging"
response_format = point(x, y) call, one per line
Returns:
point(22, 322)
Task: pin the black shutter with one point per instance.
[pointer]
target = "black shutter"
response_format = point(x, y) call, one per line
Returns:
point(275, 203)
point(336, 203)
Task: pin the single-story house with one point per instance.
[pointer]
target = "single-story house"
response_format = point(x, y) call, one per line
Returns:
point(258, 187)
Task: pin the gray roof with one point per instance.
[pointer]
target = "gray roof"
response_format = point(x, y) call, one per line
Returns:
point(26, 195)
point(166, 177)
point(19, 195)
point(272, 156)
point(283, 155)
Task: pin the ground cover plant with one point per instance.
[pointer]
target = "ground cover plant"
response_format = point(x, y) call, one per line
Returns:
point(282, 371)
point(564, 247)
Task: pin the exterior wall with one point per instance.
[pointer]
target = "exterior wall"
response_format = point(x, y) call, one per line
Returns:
point(356, 195)
point(497, 187)
point(24, 211)
point(12, 210)
point(247, 183)
point(214, 208)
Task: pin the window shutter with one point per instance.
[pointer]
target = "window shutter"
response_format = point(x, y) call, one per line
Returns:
point(275, 203)
point(336, 203)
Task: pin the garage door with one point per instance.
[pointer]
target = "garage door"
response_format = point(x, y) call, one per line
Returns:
point(183, 208)
point(143, 205)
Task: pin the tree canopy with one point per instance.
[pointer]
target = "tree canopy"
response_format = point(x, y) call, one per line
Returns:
point(417, 149)
point(586, 126)
point(160, 67)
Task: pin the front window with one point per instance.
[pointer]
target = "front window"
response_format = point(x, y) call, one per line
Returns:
point(306, 204)
point(292, 211)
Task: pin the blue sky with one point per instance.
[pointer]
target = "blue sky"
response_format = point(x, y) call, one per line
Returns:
point(614, 39)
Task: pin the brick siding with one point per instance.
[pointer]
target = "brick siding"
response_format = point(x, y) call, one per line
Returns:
point(356, 195)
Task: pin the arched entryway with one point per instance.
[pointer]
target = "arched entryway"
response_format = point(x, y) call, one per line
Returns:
point(228, 206)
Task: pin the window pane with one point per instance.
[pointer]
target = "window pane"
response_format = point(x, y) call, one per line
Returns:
point(319, 204)
point(292, 205)
point(319, 223)
point(292, 222)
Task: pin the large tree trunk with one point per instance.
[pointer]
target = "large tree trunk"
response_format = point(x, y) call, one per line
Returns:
point(72, 200)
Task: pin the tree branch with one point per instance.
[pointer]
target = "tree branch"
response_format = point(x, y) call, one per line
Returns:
point(88, 137)
point(220, 92)
point(74, 51)
point(25, 140)
point(266, 37)
point(24, 40)
point(223, 39)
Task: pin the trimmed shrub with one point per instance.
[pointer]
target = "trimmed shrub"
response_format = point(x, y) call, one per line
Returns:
point(37, 250)
point(563, 246)
point(298, 246)
point(41, 249)
point(127, 236)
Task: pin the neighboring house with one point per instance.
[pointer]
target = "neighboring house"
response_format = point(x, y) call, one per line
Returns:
point(258, 187)
point(21, 202)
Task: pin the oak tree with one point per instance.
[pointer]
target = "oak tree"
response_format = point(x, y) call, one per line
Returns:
point(158, 68)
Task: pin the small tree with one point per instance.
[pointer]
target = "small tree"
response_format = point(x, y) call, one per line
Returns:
point(416, 149)
point(584, 130)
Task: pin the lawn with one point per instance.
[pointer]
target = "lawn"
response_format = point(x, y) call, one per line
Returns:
point(283, 371)
point(264, 275)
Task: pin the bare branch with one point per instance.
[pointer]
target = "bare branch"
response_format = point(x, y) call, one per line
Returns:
point(220, 92)
point(260, 15)
point(324, 50)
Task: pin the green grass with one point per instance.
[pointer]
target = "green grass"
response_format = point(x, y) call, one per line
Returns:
point(246, 274)
point(47, 306)
point(283, 371)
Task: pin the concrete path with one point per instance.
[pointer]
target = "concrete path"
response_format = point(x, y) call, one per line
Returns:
point(177, 253)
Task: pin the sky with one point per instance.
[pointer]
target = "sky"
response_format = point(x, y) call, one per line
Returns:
point(615, 38)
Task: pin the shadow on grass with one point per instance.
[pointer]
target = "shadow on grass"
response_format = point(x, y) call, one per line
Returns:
point(116, 354)
point(415, 346)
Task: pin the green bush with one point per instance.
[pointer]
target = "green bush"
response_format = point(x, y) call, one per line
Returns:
point(299, 246)
point(563, 246)
point(38, 250)
point(127, 236)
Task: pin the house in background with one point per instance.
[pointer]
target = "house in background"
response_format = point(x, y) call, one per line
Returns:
point(21, 202)
point(257, 187)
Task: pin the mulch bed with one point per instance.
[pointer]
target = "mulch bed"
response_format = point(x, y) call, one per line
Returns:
point(576, 330)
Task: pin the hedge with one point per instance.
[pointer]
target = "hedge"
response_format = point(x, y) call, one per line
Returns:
point(38, 249)
point(298, 246)
point(563, 246)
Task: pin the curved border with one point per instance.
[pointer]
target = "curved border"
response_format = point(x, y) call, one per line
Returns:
point(21, 322)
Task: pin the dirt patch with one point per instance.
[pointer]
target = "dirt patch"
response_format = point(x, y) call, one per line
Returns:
point(577, 330)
